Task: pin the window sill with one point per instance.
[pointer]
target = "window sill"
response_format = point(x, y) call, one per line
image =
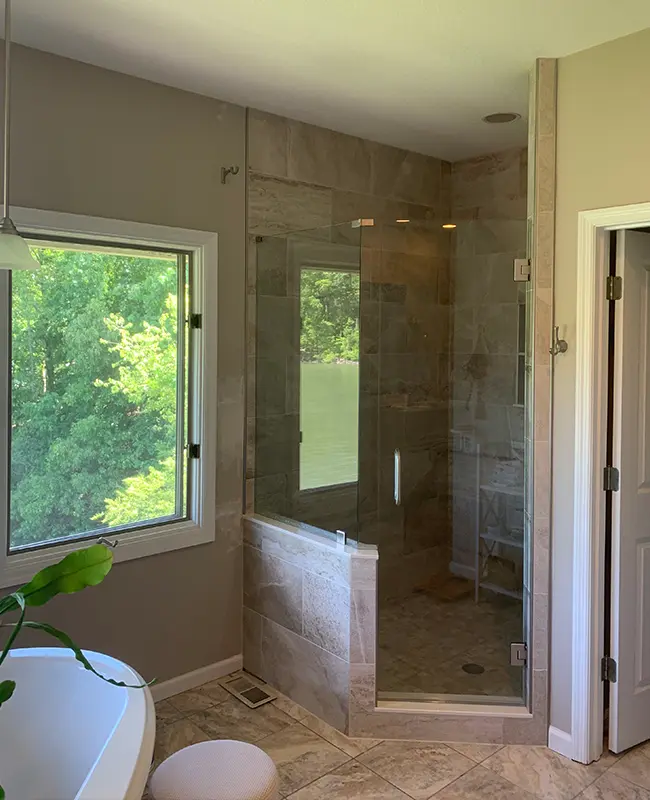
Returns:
point(19, 568)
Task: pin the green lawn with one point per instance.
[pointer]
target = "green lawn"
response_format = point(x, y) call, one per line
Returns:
point(329, 420)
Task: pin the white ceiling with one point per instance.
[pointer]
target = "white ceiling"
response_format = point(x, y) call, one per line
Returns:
point(419, 74)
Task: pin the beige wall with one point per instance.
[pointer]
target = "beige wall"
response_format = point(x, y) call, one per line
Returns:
point(94, 142)
point(603, 160)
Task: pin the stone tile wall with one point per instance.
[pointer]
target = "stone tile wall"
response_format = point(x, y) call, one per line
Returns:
point(286, 647)
point(489, 206)
point(305, 186)
point(309, 607)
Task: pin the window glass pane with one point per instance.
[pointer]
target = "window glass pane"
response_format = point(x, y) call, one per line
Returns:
point(329, 377)
point(95, 400)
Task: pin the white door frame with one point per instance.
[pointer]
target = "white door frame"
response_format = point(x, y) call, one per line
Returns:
point(589, 448)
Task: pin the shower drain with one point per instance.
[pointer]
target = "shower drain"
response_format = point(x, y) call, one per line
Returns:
point(473, 669)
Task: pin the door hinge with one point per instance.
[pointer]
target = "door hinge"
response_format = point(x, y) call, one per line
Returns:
point(518, 654)
point(196, 321)
point(608, 669)
point(611, 479)
point(522, 269)
point(614, 290)
point(194, 451)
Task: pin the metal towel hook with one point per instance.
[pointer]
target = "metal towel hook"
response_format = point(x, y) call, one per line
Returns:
point(558, 345)
point(225, 171)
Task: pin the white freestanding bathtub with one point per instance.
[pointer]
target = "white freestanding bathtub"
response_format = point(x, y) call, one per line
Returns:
point(67, 735)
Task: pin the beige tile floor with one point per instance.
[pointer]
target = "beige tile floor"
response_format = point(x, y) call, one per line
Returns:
point(316, 762)
point(424, 643)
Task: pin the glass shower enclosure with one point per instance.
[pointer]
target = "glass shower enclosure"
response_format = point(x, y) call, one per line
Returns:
point(391, 364)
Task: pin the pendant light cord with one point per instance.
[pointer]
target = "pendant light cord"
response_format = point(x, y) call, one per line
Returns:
point(7, 120)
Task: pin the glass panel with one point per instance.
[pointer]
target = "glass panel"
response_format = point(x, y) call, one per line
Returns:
point(329, 377)
point(306, 410)
point(98, 399)
point(442, 383)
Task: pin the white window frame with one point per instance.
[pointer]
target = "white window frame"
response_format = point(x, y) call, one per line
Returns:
point(199, 528)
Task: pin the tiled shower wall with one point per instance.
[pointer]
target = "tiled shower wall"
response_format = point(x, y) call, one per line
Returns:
point(309, 607)
point(281, 200)
point(304, 181)
point(489, 196)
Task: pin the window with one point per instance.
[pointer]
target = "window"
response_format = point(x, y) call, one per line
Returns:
point(329, 377)
point(103, 355)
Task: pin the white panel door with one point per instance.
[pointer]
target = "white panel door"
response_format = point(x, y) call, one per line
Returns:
point(630, 627)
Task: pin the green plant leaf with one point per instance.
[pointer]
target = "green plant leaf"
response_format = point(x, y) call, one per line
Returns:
point(20, 600)
point(78, 654)
point(6, 690)
point(2, 793)
point(75, 572)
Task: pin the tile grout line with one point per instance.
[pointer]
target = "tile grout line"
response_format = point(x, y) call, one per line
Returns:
point(319, 777)
point(526, 793)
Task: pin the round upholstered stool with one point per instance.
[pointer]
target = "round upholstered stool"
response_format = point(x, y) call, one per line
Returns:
point(219, 770)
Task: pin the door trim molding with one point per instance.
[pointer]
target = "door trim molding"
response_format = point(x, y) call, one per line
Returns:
point(589, 507)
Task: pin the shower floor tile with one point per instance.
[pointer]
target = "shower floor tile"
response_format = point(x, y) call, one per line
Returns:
point(424, 644)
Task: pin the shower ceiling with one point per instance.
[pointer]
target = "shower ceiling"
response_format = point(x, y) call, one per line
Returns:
point(419, 74)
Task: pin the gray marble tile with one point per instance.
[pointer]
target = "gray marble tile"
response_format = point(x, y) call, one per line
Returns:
point(363, 573)
point(353, 747)
point(352, 781)
point(166, 713)
point(233, 720)
point(252, 641)
point(309, 675)
point(362, 687)
point(318, 155)
point(611, 787)
point(479, 784)
point(406, 176)
point(197, 699)
point(273, 588)
point(326, 614)
point(290, 708)
point(426, 727)
point(300, 756)
point(215, 691)
point(280, 206)
point(531, 731)
point(175, 736)
point(477, 752)
point(634, 767)
point(540, 637)
point(321, 558)
point(267, 143)
point(417, 768)
point(542, 772)
point(363, 626)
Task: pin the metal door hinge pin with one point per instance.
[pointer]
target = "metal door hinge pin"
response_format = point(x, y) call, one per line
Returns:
point(608, 669)
point(614, 287)
point(611, 479)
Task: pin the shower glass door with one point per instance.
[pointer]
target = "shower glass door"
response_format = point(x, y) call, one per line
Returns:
point(441, 456)
point(304, 414)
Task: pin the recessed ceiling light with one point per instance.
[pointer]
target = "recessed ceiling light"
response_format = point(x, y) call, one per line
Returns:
point(402, 220)
point(501, 117)
point(449, 225)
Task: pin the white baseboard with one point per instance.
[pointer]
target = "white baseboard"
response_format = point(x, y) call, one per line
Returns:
point(560, 742)
point(462, 570)
point(190, 680)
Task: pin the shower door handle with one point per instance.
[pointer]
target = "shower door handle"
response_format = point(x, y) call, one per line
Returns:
point(397, 491)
